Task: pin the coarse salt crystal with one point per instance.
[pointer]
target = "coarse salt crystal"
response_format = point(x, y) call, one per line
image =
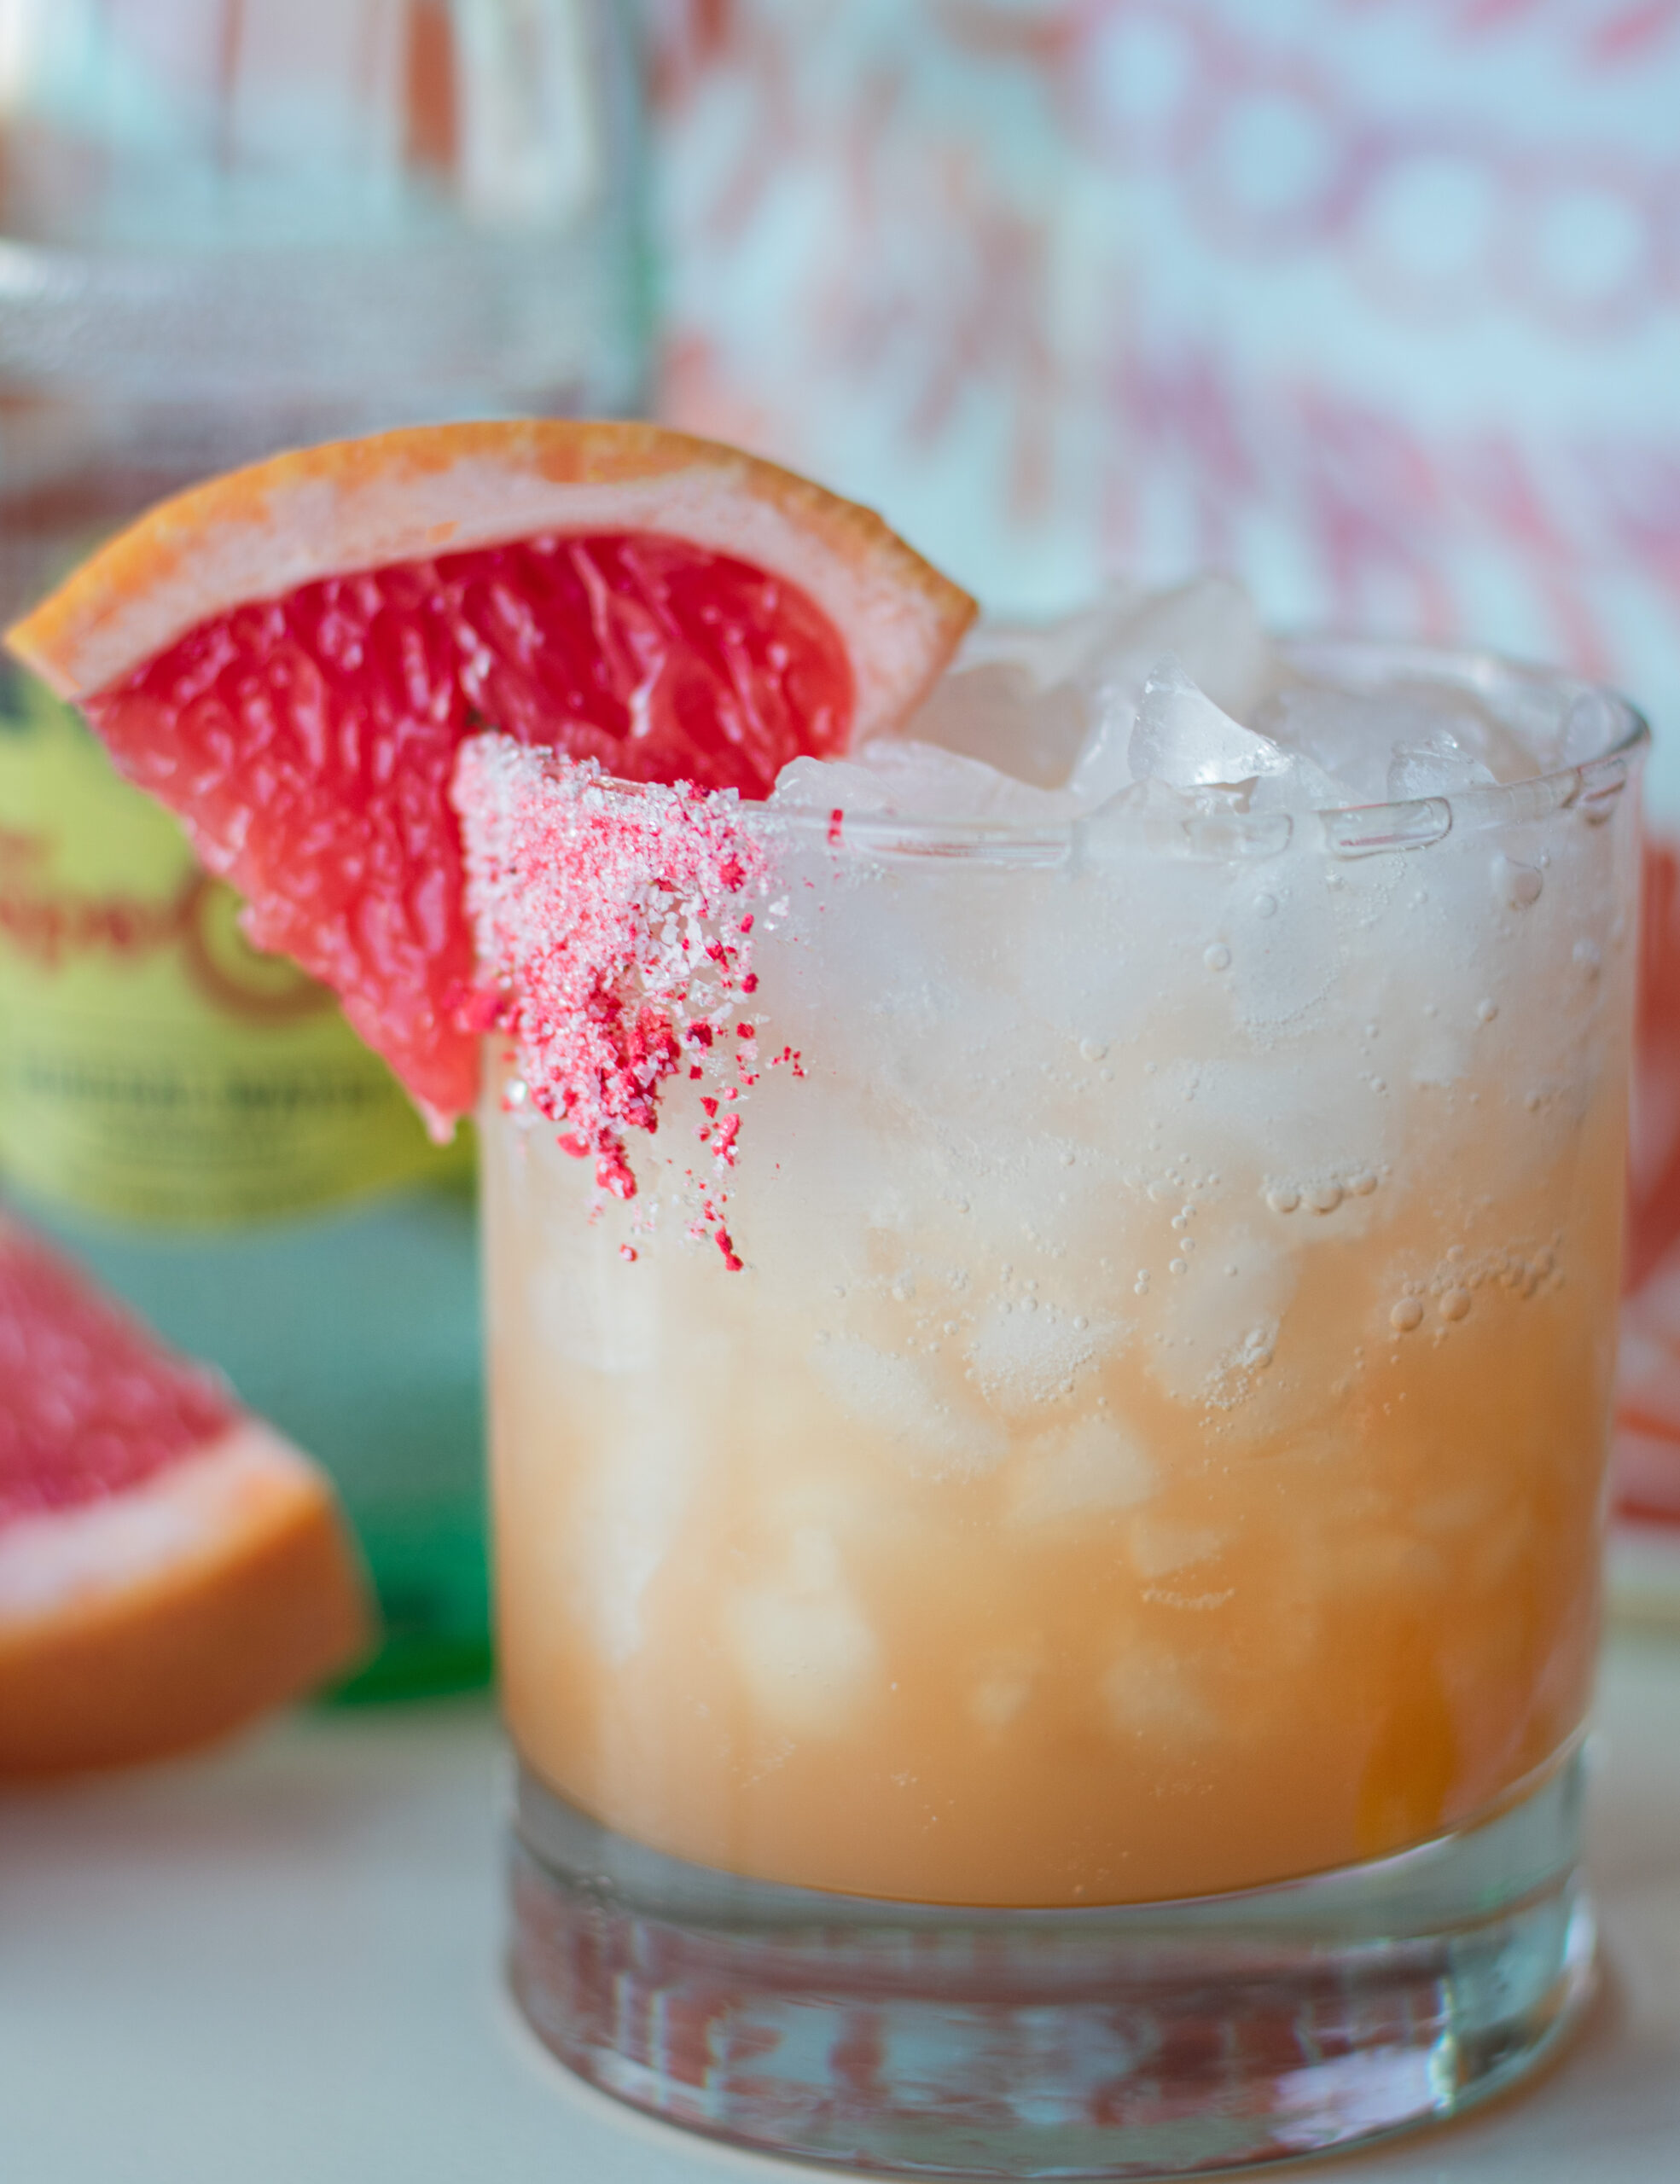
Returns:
point(609, 924)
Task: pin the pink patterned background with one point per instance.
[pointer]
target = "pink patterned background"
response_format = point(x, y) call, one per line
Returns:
point(1376, 302)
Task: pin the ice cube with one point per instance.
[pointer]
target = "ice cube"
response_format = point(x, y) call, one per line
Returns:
point(802, 1645)
point(1151, 1693)
point(1028, 701)
point(1333, 731)
point(1097, 1464)
point(1210, 626)
point(1180, 737)
point(1592, 724)
point(932, 1433)
point(916, 781)
point(1103, 770)
point(1002, 1691)
point(828, 784)
point(920, 781)
point(1299, 786)
point(1024, 1353)
point(1161, 1546)
point(999, 713)
point(1510, 751)
point(1441, 766)
point(1390, 746)
point(627, 1515)
point(1015, 698)
point(1218, 1322)
point(1052, 653)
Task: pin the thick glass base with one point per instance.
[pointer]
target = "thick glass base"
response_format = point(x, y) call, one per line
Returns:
point(1153, 2040)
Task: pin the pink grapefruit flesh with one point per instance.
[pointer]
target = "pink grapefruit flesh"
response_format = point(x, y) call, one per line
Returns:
point(289, 657)
point(90, 1406)
point(169, 1567)
point(320, 730)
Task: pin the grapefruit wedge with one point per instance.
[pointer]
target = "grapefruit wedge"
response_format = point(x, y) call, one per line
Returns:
point(290, 655)
point(169, 1567)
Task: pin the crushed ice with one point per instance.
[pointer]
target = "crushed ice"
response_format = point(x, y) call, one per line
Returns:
point(1182, 693)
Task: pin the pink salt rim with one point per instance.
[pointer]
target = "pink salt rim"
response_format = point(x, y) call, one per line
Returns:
point(614, 929)
point(616, 946)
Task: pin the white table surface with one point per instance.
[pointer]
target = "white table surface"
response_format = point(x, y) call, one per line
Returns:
point(279, 1965)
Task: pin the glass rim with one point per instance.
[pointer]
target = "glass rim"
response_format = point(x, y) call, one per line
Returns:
point(1593, 785)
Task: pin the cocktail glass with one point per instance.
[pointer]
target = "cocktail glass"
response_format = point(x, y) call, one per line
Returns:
point(1073, 1659)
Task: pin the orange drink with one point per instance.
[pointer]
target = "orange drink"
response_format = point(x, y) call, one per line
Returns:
point(1099, 1399)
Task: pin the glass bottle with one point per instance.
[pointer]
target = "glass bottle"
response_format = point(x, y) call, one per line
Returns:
point(227, 227)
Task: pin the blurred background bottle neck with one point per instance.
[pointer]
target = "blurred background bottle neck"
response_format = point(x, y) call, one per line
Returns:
point(229, 226)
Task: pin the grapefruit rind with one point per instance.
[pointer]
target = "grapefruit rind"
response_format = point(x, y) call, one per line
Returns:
point(154, 1621)
point(350, 505)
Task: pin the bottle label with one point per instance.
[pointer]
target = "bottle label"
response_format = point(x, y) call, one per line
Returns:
point(153, 1066)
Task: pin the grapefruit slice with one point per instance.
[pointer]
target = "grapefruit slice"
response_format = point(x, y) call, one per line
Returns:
point(289, 656)
point(169, 1567)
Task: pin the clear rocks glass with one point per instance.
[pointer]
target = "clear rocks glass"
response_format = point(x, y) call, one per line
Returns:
point(1072, 1662)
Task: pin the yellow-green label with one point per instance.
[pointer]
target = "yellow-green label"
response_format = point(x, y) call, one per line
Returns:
point(153, 1065)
